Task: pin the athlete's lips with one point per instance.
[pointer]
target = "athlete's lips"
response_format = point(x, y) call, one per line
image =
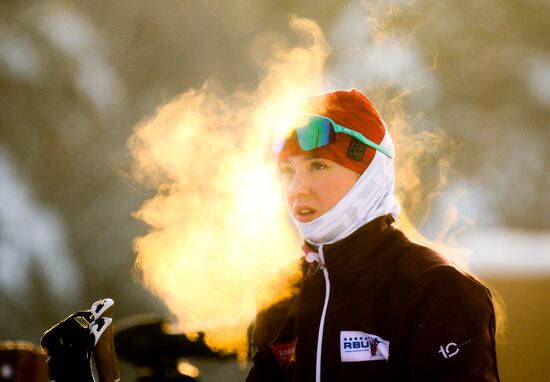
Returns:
point(304, 213)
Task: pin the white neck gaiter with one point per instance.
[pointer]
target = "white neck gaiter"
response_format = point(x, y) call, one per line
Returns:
point(370, 197)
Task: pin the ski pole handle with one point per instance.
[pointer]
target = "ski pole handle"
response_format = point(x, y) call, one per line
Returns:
point(104, 353)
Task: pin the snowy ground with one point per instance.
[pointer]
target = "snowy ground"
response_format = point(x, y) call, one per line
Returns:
point(499, 251)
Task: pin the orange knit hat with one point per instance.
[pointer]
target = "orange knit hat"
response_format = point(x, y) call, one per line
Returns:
point(353, 110)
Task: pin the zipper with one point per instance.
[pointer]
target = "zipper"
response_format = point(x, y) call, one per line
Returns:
point(322, 323)
point(318, 268)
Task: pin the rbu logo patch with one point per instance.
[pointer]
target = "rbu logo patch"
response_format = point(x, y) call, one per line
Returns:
point(360, 346)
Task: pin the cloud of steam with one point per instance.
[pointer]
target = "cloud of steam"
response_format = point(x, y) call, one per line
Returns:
point(376, 55)
point(218, 225)
point(386, 60)
point(423, 164)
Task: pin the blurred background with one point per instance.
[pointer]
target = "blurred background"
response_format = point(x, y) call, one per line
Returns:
point(76, 78)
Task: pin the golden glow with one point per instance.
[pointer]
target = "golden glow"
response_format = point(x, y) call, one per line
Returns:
point(185, 368)
point(218, 224)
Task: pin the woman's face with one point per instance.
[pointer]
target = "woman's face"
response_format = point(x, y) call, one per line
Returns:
point(314, 185)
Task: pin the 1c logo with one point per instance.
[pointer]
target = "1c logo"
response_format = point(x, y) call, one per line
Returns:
point(449, 350)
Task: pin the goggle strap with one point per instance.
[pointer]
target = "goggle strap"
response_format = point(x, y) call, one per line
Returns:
point(339, 128)
point(278, 144)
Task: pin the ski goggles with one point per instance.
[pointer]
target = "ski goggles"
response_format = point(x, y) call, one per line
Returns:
point(318, 131)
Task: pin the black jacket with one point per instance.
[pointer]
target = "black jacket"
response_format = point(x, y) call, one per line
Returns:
point(395, 311)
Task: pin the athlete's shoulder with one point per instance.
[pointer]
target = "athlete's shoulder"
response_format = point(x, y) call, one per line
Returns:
point(418, 261)
point(426, 269)
point(420, 264)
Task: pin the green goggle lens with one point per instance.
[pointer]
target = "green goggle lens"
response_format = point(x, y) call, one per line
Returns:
point(316, 133)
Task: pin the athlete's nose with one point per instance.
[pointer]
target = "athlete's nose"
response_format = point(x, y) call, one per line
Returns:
point(299, 184)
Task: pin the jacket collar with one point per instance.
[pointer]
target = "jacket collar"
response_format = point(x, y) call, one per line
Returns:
point(358, 249)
